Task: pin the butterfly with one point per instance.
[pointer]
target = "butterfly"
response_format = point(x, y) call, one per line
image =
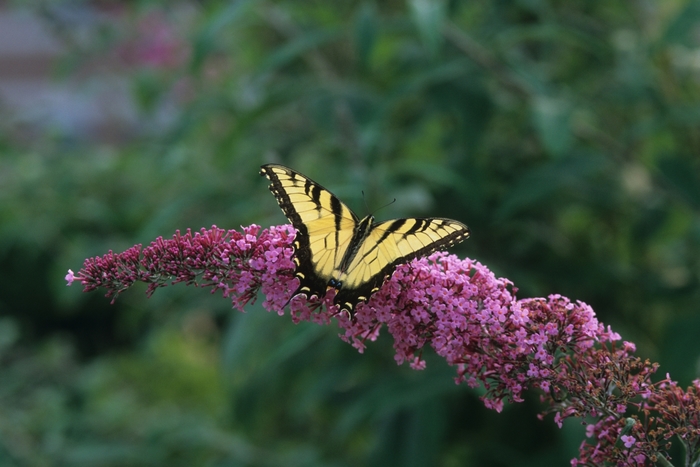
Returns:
point(333, 248)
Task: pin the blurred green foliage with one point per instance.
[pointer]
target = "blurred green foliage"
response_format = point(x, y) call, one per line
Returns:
point(565, 134)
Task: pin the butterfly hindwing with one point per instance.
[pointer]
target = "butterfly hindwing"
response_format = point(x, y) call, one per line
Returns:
point(391, 243)
point(335, 249)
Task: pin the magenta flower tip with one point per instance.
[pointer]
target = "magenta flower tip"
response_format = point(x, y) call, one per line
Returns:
point(70, 277)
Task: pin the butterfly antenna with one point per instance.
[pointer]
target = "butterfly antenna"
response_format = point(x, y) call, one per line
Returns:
point(364, 200)
point(386, 205)
point(382, 207)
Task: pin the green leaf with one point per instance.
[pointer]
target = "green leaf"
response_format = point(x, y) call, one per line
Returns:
point(540, 186)
point(551, 118)
point(297, 47)
point(680, 30)
point(429, 16)
point(365, 33)
point(682, 178)
point(205, 42)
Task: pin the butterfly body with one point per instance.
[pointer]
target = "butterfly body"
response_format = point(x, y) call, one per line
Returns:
point(335, 249)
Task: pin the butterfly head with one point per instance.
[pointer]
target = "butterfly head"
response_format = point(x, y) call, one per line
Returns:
point(363, 228)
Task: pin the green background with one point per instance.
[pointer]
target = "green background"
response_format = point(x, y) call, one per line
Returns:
point(565, 134)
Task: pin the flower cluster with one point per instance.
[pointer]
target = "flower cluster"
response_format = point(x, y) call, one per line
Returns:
point(466, 314)
point(238, 264)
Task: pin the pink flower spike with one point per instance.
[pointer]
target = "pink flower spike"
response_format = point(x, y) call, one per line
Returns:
point(460, 310)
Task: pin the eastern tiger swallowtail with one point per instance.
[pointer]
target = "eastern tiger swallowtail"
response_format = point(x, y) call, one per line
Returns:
point(335, 249)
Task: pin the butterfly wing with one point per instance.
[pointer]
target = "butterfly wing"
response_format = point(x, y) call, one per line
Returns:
point(325, 226)
point(389, 244)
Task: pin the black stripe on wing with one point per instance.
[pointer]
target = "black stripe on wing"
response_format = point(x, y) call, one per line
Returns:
point(277, 189)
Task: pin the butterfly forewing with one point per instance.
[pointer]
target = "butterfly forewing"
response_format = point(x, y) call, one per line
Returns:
point(324, 224)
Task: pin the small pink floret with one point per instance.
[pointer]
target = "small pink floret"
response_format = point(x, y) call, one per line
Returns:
point(70, 277)
point(628, 440)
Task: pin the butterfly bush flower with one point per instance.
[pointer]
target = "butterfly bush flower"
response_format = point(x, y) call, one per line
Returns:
point(466, 314)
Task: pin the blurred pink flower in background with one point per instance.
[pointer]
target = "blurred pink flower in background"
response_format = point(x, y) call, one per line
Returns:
point(156, 43)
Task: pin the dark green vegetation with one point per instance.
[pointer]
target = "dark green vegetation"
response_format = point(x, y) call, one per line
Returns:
point(565, 134)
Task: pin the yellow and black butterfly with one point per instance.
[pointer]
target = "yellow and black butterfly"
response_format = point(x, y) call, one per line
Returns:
point(335, 249)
